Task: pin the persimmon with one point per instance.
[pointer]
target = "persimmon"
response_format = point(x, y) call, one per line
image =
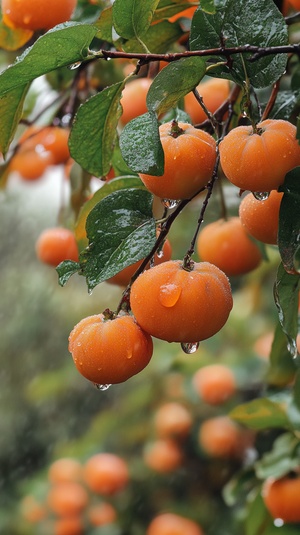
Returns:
point(226, 244)
point(214, 92)
point(133, 99)
point(220, 437)
point(189, 159)
point(101, 514)
point(109, 351)
point(186, 13)
point(214, 383)
point(178, 305)
point(31, 164)
point(32, 510)
point(67, 499)
point(172, 419)
point(72, 525)
point(281, 497)
point(123, 277)
point(64, 469)
point(55, 245)
point(37, 14)
point(173, 524)
point(261, 217)
point(259, 160)
point(163, 455)
point(50, 138)
point(106, 473)
point(295, 4)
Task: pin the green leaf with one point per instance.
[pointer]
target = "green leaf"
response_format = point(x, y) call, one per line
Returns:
point(167, 8)
point(286, 529)
point(65, 270)
point(157, 39)
point(104, 25)
point(283, 458)
point(289, 220)
point(4, 174)
point(208, 6)
point(286, 293)
point(239, 486)
point(121, 231)
point(141, 146)
point(94, 131)
point(11, 107)
point(174, 82)
point(260, 413)
point(282, 365)
point(285, 104)
point(293, 409)
point(132, 18)
point(239, 22)
point(257, 517)
point(64, 45)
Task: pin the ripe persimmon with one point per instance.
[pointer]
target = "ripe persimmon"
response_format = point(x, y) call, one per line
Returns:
point(72, 525)
point(37, 14)
point(178, 305)
point(261, 217)
point(190, 156)
point(31, 164)
point(214, 383)
point(214, 92)
point(173, 524)
point(259, 160)
point(106, 473)
point(172, 419)
point(55, 245)
point(220, 437)
point(65, 469)
point(67, 499)
point(133, 99)
point(186, 13)
point(226, 244)
point(109, 351)
point(163, 455)
point(32, 510)
point(101, 514)
point(50, 138)
point(281, 497)
point(123, 277)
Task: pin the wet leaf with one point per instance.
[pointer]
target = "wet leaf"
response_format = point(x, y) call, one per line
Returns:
point(261, 413)
point(293, 408)
point(65, 270)
point(11, 108)
point(94, 131)
point(141, 147)
point(174, 82)
point(257, 23)
point(282, 365)
point(289, 221)
point(283, 457)
point(132, 18)
point(157, 39)
point(104, 25)
point(167, 9)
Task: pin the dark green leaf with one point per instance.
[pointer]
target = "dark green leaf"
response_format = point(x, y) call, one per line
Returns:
point(208, 6)
point(282, 365)
point(240, 485)
point(283, 458)
point(284, 105)
point(260, 413)
point(132, 18)
point(121, 231)
point(293, 408)
point(239, 22)
point(157, 39)
point(174, 82)
point(141, 147)
point(64, 45)
point(257, 518)
point(11, 107)
point(289, 220)
point(286, 529)
point(65, 270)
point(286, 292)
point(94, 131)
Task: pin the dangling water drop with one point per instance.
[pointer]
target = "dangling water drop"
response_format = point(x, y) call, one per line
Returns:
point(278, 522)
point(160, 253)
point(292, 348)
point(74, 65)
point(102, 388)
point(170, 203)
point(169, 294)
point(261, 195)
point(189, 347)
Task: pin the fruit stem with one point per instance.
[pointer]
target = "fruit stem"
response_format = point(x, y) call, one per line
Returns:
point(175, 130)
point(108, 314)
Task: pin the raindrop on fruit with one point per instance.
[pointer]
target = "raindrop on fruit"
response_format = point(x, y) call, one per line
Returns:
point(261, 195)
point(189, 347)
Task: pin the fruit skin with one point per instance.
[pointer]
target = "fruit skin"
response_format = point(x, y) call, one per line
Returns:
point(214, 92)
point(37, 14)
point(101, 514)
point(260, 161)
point(163, 455)
point(215, 383)
point(189, 162)
point(106, 473)
point(226, 244)
point(176, 305)
point(281, 498)
point(172, 419)
point(261, 218)
point(220, 437)
point(172, 524)
point(55, 245)
point(65, 469)
point(73, 525)
point(51, 138)
point(67, 499)
point(109, 351)
point(133, 99)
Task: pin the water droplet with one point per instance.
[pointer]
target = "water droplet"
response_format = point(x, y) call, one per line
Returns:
point(102, 388)
point(169, 294)
point(152, 262)
point(169, 203)
point(160, 253)
point(261, 195)
point(65, 121)
point(90, 291)
point(278, 522)
point(189, 347)
point(74, 65)
point(129, 354)
point(292, 348)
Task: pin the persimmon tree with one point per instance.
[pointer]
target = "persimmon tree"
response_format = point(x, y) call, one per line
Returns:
point(252, 45)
